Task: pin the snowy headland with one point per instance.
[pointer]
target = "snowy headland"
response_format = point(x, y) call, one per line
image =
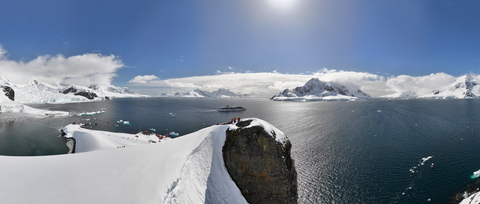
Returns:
point(126, 168)
point(38, 92)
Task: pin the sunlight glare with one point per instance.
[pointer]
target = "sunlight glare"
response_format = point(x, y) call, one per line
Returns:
point(282, 4)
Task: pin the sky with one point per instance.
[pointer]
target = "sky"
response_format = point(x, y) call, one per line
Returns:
point(258, 47)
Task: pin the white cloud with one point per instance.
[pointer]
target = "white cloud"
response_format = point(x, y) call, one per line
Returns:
point(143, 79)
point(282, 85)
point(180, 84)
point(267, 84)
point(83, 69)
point(421, 84)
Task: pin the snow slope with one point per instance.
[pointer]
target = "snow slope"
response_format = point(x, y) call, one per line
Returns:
point(187, 169)
point(464, 87)
point(316, 90)
point(38, 92)
point(472, 199)
point(8, 106)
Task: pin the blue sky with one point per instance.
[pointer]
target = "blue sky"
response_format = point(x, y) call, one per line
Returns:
point(181, 39)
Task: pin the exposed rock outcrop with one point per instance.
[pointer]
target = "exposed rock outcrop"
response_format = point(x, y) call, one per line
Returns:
point(260, 165)
point(86, 94)
point(8, 92)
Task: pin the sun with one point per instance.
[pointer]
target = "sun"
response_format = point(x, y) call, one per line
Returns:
point(282, 4)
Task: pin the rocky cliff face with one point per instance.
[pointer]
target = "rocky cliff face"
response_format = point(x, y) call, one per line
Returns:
point(260, 166)
point(86, 94)
point(8, 92)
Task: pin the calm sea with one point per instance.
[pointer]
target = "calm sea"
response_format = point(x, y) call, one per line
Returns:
point(345, 152)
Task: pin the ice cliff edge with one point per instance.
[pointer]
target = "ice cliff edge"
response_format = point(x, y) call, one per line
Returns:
point(257, 157)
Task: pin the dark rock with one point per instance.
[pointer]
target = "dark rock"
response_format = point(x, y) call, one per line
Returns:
point(70, 90)
point(9, 92)
point(89, 95)
point(107, 98)
point(261, 167)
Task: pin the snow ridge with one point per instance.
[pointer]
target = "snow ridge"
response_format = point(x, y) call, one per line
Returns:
point(464, 87)
point(187, 169)
point(38, 92)
point(197, 93)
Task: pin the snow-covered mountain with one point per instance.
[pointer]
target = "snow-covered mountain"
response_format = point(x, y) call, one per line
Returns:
point(197, 93)
point(464, 87)
point(403, 95)
point(315, 89)
point(38, 92)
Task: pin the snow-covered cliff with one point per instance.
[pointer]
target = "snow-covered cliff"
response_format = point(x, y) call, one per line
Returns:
point(315, 89)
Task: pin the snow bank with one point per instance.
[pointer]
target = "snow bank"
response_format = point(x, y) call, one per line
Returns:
point(474, 198)
point(188, 169)
point(270, 129)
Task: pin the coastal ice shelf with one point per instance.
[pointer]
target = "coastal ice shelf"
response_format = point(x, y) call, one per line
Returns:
point(122, 168)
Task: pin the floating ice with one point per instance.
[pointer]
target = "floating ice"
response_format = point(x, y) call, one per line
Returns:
point(92, 113)
point(379, 111)
point(425, 159)
point(126, 123)
point(421, 163)
point(475, 175)
point(173, 134)
point(153, 129)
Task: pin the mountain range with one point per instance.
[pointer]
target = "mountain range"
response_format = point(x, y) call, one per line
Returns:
point(197, 93)
point(464, 87)
point(38, 92)
point(316, 90)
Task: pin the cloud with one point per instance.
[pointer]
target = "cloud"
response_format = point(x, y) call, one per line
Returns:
point(270, 83)
point(86, 69)
point(420, 84)
point(143, 79)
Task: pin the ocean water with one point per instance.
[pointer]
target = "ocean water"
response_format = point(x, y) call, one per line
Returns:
point(345, 152)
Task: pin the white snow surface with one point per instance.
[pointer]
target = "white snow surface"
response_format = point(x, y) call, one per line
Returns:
point(187, 169)
point(464, 87)
point(316, 90)
point(270, 129)
point(472, 199)
point(197, 93)
point(38, 92)
point(8, 106)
